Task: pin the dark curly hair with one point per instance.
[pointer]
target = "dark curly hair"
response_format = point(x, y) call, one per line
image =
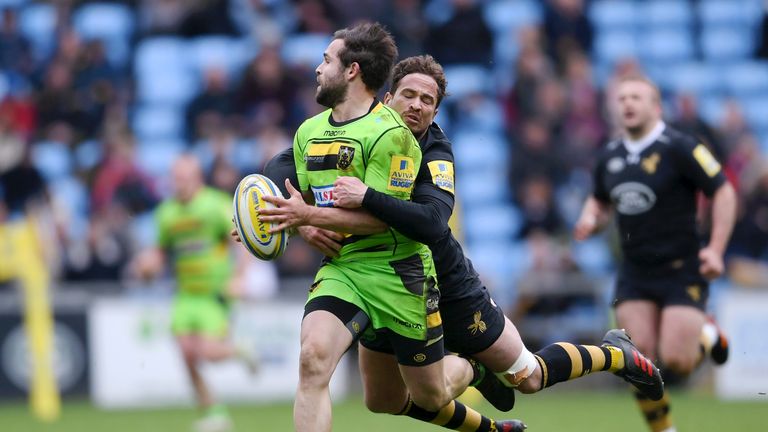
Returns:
point(423, 64)
point(372, 47)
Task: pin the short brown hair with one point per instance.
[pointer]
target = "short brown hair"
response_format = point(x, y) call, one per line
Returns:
point(372, 47)
point(423, 64)
point(643, 79)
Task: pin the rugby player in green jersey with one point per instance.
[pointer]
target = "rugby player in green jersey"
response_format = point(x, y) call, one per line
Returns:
point(383, 283)
point(193, 228)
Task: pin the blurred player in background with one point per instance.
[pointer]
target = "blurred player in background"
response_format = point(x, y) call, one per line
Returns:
point(473, 324)
point(193, 228)
point(651, 177)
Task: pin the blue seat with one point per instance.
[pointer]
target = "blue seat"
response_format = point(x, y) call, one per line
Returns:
point(666, 45)
point(666, 13)
point(475, 151)
point(491, 222)
point(53, 159)
point(71, 193)
point(88, 154)
point(755, 109)
point(735, 12)
point(156, 157)
point(593, 256)
point(163, 71)
point(499, 260)
point(607, 14)
point(37, 23)
point(143, 229)
point(305, 49)
point(746, 78)
point(611, 46)
point(727, 43)
point(482, 188)
point(112, 23)
point(467, 79)
point(12, 3)
point(158, 122)
point(228, 53)
point(692, 77)
point(712, 109)
point(502, 15)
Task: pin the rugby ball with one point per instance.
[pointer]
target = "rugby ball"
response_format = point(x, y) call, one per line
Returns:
point(253, 233)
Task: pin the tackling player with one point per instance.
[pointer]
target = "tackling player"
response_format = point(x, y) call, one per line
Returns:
point(650, 178)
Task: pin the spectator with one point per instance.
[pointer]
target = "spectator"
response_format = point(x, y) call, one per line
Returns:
point(567, 28)
point(687, 119)
point(537, 203)
point(210, 109)
point(15, 52)
point(464, 38)
point(534, 156)
point(405, 21)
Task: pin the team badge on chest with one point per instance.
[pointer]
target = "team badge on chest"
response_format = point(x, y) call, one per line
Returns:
point(346, 154)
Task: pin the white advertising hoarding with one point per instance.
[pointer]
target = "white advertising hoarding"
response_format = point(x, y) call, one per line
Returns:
point(136, 363)
point(743, 315)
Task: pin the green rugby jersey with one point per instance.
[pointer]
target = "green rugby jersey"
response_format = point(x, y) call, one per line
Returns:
point(378, 148)
point(196, 236)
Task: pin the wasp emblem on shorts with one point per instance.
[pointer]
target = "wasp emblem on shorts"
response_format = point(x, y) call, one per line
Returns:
point(694, 292)
point(346, 154)
point(478, 325)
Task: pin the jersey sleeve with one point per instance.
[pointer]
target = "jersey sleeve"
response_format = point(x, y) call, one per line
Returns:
point(698, 165)
point(599, 191)
point(163, 239)
point(392, 163)
point(300, 162)
point(282, 167)
point(425, 219)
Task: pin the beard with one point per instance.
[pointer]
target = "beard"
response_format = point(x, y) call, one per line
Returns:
point(332, 93)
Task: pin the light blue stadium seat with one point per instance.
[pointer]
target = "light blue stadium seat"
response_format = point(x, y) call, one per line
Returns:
point(499, 259)
point(163, 71)
point(143, 229)
point(502, 15)
point(613, 14)
point(158, 122)
point(593, 255)
point(746, 78)
point(53, 159)
point(88, 154)
point(477, 151)
point(666, 45)
point(712, 109)
point(611, 46)
point(467, 79)
point(37, 22)
point(491, 222)
point(482, 188)
point(305, 49)
point(156, 157)
point(694, 77)
point(112, 23)
point(755, 109)
point(227, 53)
point(727, 43)
point(483, 115)
point(734, 12)
point(12, 3)
point(668, 13)
point(72, 194)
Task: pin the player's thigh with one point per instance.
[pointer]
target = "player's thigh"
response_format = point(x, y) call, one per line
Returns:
point(324, 339)
point(640, 318)
point(474, 324)
point(383, 387)
point(679, 336)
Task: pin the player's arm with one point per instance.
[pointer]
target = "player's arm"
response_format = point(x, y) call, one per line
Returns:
point(698, 165)
point(295, 212)
point(148, 264)
point(596, 212)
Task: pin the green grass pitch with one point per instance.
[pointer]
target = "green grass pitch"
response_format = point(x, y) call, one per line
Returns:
point(572, 411)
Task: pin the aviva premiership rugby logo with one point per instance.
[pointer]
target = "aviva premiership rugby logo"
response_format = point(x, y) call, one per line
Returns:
point(346, 154)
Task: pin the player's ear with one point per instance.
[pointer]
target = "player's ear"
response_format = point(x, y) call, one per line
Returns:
point(353, 70)
point(387, 98)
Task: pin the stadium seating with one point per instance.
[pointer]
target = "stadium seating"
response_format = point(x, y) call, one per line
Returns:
point(501, 16)
point(304, 49)
point(158, 122)
point(53, 159)
point(666, 13)
point(613, 14)
point(37, 22)
point(112, 23)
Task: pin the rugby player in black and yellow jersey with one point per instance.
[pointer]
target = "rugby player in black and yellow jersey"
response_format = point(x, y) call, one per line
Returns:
point(650, 179)
point(473, 324)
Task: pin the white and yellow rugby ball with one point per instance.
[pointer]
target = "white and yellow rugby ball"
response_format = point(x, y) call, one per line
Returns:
point(253, 233)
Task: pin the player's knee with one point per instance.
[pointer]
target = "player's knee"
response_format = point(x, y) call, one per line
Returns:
point(679, 363)
point(315, 362)
point(431, 399)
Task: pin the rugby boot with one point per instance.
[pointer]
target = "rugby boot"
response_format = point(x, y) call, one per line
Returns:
point(510, 426)
point(493, 390)
point(638, 370)
point(719, 352)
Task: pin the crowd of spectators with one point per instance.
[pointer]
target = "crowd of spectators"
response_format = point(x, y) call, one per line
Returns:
point(75, 99)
